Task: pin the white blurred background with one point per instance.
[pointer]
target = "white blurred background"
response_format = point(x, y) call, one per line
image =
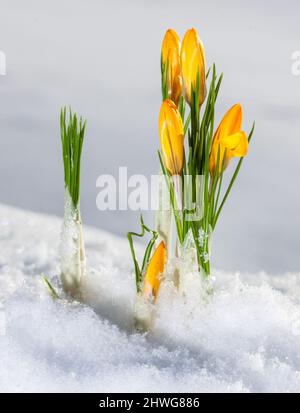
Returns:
point(102, 58)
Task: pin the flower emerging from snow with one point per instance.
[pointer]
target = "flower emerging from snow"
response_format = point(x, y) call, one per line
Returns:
point(154, 272)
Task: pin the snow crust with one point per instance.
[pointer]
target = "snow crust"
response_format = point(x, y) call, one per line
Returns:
point(244, 338)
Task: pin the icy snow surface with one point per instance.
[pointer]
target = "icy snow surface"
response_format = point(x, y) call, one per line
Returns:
point(246, 338)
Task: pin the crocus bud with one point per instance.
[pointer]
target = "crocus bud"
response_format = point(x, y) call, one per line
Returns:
point(228, 140)
point(193, 65)
point(154, 272)
point(170, 53)
point(171, 137)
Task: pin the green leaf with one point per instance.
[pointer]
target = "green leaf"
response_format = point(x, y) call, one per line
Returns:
point(140, 272)
point(72, 137)
point(235, 174)
point(172, 199)
point(51, 289)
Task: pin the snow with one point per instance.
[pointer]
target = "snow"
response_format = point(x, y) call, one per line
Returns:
point(245, 337)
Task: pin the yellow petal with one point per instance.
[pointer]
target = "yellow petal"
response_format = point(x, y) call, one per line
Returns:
point(171, 57)
point(154, 271)
point(229, 137)
point(193, 63)
point(231, 122)
point(237, 144)
point(171, 137)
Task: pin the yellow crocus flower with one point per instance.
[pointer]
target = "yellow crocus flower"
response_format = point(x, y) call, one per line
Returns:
point(193, 64)
point(154, 272)
point(171, 137)
point(170, 52)
point(229, 138)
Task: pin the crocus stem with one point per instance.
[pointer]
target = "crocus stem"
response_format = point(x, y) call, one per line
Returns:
point(176, 179)
point(237, 169)
point(163, 216)
point(172, 200)
point(73, 261)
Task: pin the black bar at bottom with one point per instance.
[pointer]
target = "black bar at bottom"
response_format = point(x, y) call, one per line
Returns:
point(134, 401)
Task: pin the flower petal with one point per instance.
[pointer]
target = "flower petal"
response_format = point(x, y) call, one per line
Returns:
point(171, 57)
point(236, 143)
point(193, 63)
point(231, 122)
point(229, 138)
point(154, 271)
point(171, 137)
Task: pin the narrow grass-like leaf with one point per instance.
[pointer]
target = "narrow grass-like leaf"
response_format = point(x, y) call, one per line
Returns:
point(237, 169)
point(72, 137)
point(51, 289)
point(139, 272)
point(172, 199)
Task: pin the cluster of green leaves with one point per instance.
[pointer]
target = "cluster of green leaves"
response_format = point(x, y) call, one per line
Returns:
point(72, 135)
point(200, 141)
point(200, 130)
point(140, 271)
